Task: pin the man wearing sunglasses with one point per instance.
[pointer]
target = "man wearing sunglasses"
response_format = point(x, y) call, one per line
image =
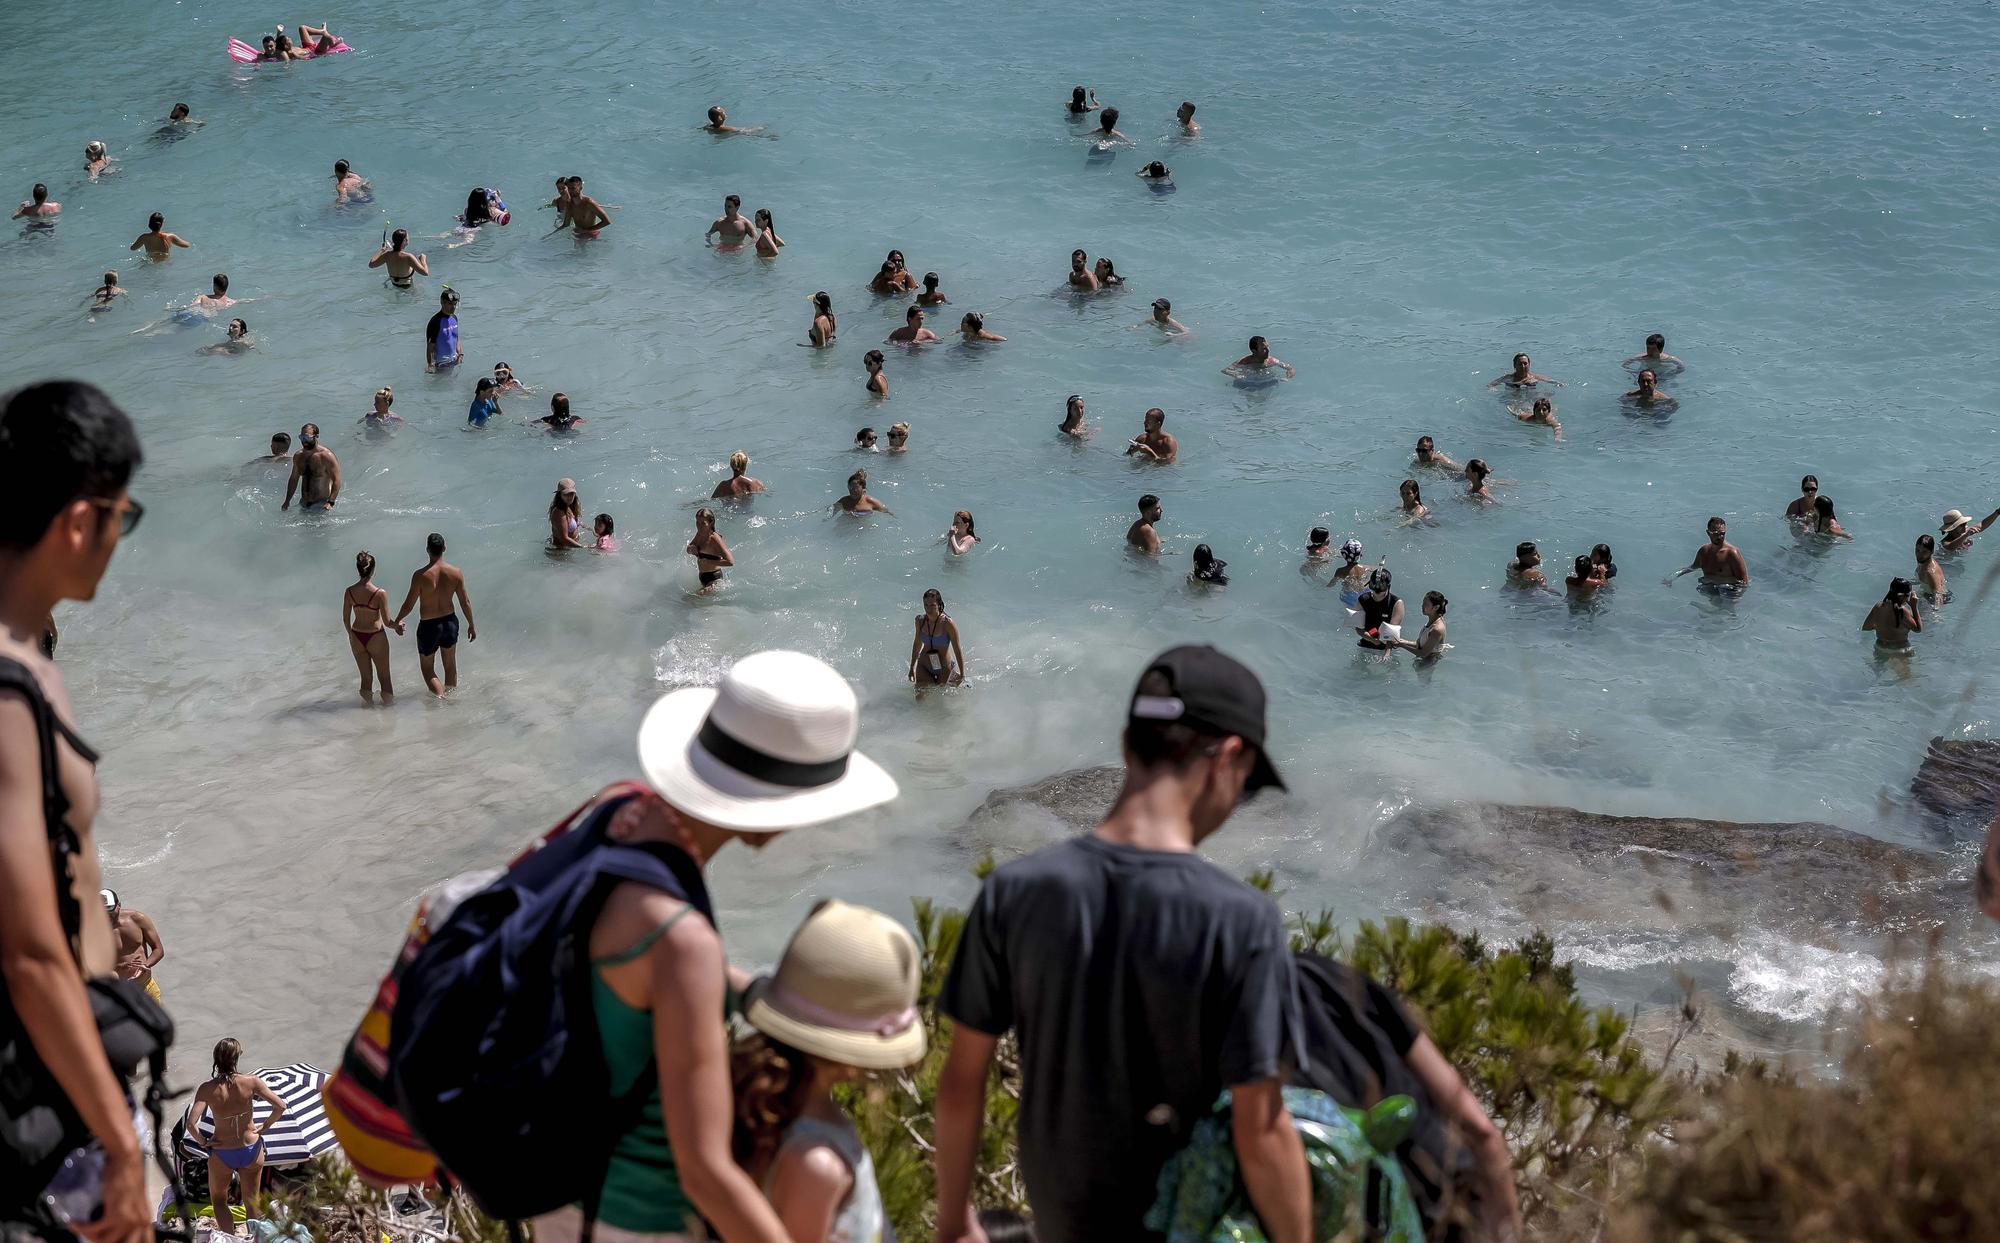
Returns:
point(66, 455)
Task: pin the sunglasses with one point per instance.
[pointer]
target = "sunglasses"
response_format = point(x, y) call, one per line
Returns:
point(128, 515)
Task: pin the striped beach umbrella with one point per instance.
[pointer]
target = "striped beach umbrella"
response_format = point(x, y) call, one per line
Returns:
point(301, 1134)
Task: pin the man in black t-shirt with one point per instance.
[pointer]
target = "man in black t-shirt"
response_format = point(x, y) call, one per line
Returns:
point(1141, 979)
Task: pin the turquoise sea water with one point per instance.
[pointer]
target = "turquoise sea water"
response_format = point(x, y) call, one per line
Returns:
point(1400, 197)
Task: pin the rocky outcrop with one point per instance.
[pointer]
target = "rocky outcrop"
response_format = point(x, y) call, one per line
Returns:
point(1959, 781)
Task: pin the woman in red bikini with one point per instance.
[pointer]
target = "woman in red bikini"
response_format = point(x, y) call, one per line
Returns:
point(237, 1147)
point(363, 611)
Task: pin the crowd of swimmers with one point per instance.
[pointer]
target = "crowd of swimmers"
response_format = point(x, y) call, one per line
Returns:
point(1375, 611)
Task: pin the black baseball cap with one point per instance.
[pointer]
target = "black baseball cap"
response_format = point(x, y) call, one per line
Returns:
point(1214, 694)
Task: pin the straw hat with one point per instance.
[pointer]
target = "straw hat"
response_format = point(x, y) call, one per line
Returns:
point(846, 990)
point(1952, 520)
point(771, 748)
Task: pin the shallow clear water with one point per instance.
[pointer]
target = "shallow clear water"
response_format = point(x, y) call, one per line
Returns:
point(1398, 196)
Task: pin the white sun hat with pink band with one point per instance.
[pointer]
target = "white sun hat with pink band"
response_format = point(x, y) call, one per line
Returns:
point(846, 990)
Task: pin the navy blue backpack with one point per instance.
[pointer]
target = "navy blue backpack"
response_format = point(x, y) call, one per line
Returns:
point(494, 1058)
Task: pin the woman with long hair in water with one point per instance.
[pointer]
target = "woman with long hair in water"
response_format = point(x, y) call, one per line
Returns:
point(936, 652)
point(711, 555)
point(364, 615)
point(824, 325)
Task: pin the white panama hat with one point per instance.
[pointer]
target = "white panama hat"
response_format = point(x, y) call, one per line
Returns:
point(846, 990)
point(771, 748)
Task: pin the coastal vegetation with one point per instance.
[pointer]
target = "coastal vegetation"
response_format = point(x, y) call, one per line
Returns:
point(1608, 1142)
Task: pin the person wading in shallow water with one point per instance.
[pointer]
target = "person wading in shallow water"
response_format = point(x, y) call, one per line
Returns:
point(1141, 981)
point(437, 585)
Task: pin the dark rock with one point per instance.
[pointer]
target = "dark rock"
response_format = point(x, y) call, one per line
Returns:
point(1557, 865)
point(1959, 780)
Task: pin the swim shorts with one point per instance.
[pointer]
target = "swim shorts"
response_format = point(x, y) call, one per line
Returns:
point(710, 577)
point(436, 632)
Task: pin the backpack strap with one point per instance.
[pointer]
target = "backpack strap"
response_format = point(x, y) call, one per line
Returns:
point(63, 844)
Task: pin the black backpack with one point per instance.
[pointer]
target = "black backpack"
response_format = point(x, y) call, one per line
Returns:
point(38, 1125)
point(494, 1054)
point(1356, 1035)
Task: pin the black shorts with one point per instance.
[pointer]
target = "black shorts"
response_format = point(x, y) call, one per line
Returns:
point(436, 632)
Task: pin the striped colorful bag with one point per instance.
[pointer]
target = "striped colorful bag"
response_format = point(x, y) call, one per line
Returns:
point(359, 1104)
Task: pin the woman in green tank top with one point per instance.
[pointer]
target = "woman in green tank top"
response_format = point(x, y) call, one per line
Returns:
point(767, 751)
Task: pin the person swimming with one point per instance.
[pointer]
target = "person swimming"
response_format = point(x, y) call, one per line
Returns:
point(718, 123)
point(217, 296)
point(1601, 555)
point(931, 295)
point(1429, 643)
point(899, 438)
point(768, 240)
point(1163, 318)
point(1930, 575)
point(1258, 361)
point(1157, 172)
point(601, 527)
point(1585, 577)
point(1823, 521)
point(1107, 275)
point(1411, 497)
point(1077, 107)
point(1106, 132)
point(913, 331)
point(106, 296)
point(878, 380)
point(1185, 115)
point(503, 379)
point(1072, 422)
point(1208, 570)
point(936, 652)
point(730, 228)
point(1428, 455)
point(350, 186)
point(973, 328)
point(1655, 356)
point(380, 416)
point(961, 537)
point(1080, 276)
point(1648, 394)
point(857, 500)
point(739, 484)
point(1522, 376)
point(1155, 444)
point(1525, 570)
point(559, 419)
point(1542, 412)
point(864, 441)
point(1143, 534)
point(96, 158)
point(1319, 547)
point(236, 340)
point(1476, 472)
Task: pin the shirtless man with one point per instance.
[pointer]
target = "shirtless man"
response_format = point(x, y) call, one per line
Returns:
point(217, 297)
point(1185, 115)
point(1259, 358)
point(738, 484)
point(1428, 455)
point(436, 585)
point(1080, 275)
point(1107, 128)
point(913, 331)
point(1154, 444)
point(157, 241)
point(1163, 318)
point(1648, 393)
point(37, 205)
point(718, 123)
point(583, 213)
point(347, 183)
point(857, 500)
point(1141, 534)
point(1525, 570)
point(1657, 358)
point(237, 1147)
point(139, 946)
point(403, 267)
point(1930, 575)
point(66, 456)
point(1958, 532)
point(281, 450)
point(1720, 562)
point(317, 469)
point(1522, 376)
point(1801, 510)
point(733, 229)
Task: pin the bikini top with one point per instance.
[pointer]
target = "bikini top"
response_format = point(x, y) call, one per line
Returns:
point(933, 635)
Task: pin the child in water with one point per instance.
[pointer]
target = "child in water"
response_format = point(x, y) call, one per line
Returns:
point(842, 1003)
point(485, 403)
